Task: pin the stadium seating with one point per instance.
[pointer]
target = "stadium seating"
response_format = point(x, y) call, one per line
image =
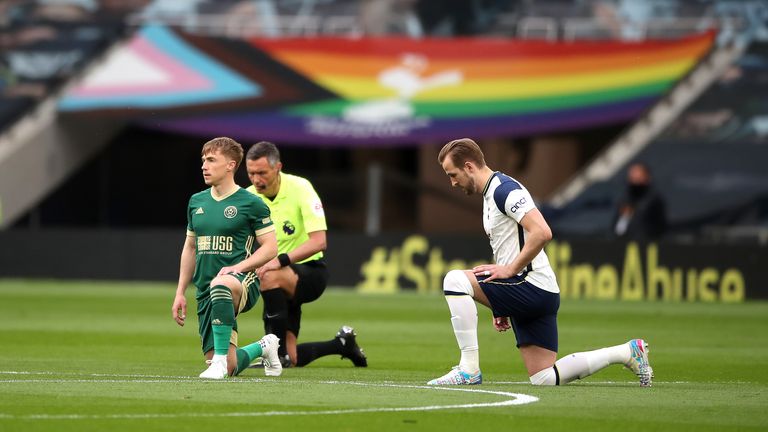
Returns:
point(708, 161)
point(46, 45)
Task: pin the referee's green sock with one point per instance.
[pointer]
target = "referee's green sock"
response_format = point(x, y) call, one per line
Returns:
point(222, 318)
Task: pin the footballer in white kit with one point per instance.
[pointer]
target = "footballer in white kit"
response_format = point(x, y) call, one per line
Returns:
point(519, 286)
point(505, 202)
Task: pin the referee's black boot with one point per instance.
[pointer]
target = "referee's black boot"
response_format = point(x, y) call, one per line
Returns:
point(286, 361)
point(349, 348)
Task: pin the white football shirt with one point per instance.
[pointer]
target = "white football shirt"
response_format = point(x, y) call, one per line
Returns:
point(505, 202)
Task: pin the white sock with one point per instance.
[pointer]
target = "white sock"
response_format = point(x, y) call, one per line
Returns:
point(464, 321)
point(583, 364)
point(219, 358)
point(545, 377)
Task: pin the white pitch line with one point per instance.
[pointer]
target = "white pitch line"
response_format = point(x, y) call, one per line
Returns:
point(252, 380)
point(108, 381)
point(177, 378)
point(513, 398)
point(589, 382)
point(92, 374)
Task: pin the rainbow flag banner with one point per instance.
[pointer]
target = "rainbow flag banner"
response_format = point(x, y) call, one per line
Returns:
point(388, 91)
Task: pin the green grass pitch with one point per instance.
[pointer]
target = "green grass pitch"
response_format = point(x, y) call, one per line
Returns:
point(106, 356)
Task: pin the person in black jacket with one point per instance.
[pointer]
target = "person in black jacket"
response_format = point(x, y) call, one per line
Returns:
point(641, 213)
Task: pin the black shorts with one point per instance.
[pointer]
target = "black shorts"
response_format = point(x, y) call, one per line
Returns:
point(313, 278)
point(533, 311)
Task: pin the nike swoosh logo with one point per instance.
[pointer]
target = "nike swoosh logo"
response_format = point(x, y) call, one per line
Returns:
point(273, 316)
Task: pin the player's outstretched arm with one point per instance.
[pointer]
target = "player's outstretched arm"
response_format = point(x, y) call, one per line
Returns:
point(186, 270)
point(538, 234)
point(267, 250)
point(314, 244)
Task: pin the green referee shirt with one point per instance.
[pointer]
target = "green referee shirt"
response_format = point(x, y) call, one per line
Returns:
point(296, 212)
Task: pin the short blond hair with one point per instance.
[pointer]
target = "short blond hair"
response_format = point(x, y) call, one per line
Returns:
point(462, 150)
point(227, 147)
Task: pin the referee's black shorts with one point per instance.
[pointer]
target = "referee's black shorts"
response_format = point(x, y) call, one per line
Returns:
point(313, 278)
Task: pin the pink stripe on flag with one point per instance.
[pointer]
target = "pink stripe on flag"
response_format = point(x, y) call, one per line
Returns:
point(181, 79)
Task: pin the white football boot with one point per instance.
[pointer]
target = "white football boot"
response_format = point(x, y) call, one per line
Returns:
point(217, 368)
point(638, 362)
point(272, 365)
point(458, 377)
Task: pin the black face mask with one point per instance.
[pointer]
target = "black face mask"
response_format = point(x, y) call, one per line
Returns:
point(636, 191)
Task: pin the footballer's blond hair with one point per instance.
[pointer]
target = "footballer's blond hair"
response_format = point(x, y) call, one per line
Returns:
point(227, 147)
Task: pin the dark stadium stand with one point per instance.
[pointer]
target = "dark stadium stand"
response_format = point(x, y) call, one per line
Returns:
point(710, 163)
point(43, 44)
point(79, 182)
point(13, 107)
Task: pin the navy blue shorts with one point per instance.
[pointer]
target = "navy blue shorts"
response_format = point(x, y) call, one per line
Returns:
point(532, 310)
